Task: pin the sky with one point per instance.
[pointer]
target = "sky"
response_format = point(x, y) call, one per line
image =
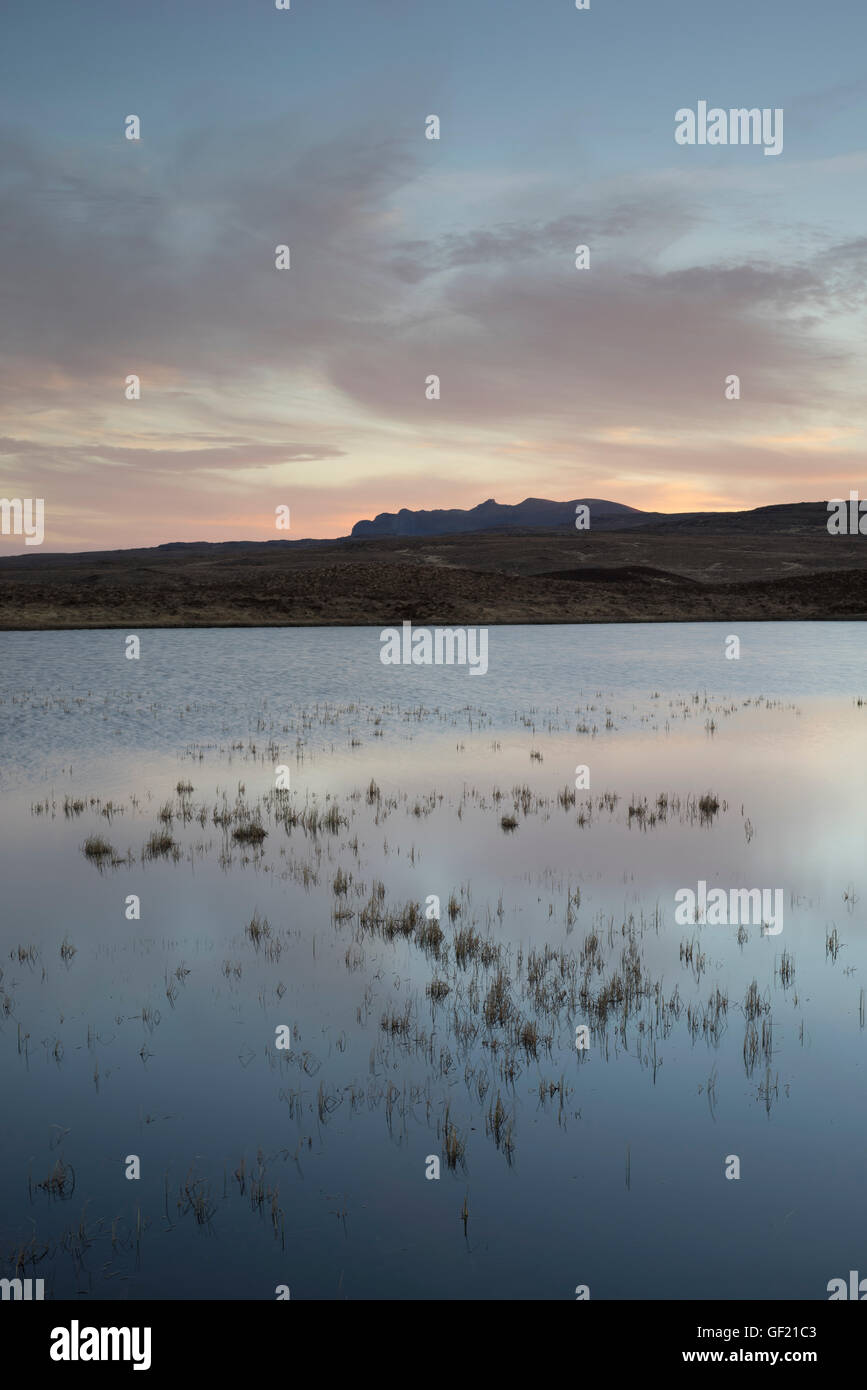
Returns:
point(410, 257)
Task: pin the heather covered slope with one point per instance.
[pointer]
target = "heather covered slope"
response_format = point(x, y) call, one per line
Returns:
point(736, 566)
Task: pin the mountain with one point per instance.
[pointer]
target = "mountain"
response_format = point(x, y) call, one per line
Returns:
point(540, 514)
point(533, 513)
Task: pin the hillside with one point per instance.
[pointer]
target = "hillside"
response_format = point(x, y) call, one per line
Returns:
point(733, 567)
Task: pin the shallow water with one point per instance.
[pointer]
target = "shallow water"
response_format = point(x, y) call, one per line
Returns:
point(604, 1167)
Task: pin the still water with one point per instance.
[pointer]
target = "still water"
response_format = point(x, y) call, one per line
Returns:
point(305, 914)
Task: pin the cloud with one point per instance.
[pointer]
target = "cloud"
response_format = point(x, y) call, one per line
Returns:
point(129, 261)
point(126, 260)
point(227, 457)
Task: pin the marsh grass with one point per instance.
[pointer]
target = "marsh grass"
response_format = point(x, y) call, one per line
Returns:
point(507, 1004)
point(429, 936)
point(161, 845)
point(97, 848)
point(498, 1004)
point(453, 1142)
point(258, 930)
point(194, 1195)
point(499, 1125)
point(398, 1023)
point(60, 1183)
point(250, 833)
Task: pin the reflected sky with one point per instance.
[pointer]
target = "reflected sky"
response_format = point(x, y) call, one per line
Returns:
point(101, 1061)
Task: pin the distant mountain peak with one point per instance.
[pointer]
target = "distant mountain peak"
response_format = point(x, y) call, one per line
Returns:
point(535, 513)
